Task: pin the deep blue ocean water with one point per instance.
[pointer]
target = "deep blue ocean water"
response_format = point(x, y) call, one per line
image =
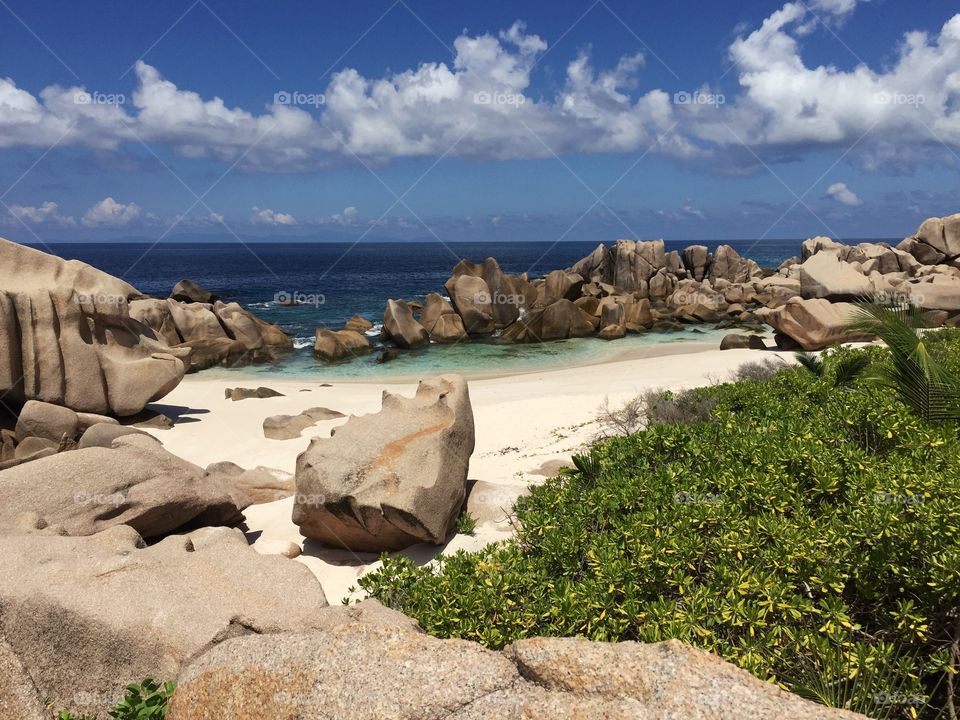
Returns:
point(337, 280)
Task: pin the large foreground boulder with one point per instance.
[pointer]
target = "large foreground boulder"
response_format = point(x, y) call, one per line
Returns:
point(391, 479)
point(813, 324)
point(135, 483)
point(382, 668)
point(86, 616)
point(67, 338)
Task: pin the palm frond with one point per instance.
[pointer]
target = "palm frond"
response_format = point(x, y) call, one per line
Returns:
point(811, 362)
point(849, 369)
point(920, 382)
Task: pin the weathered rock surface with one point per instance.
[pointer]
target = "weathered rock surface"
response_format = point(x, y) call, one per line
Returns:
point(86, 615)
point(67, 338)
point(936, 241)
point(401, 327)
point(558, 321)
point(248, 393)
point(728, 265)
point(358, 324)
point(137, 483)
point(367, 667)
point(214, 333)
point(287, 427)
point(441, 320)
point(391, 479)
point(188, 291)
point(256, 485)
point(332, 345)
point(471, 297)
point(43, 420)
point(19, 697)
point(103, 434)
point(825, 275)
point(813, 324)
point(735, 341)
point(666, 680)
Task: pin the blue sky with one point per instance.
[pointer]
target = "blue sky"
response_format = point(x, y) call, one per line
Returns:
point(588, 120)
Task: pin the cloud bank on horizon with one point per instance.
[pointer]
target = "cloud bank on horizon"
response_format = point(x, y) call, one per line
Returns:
point(481, 106)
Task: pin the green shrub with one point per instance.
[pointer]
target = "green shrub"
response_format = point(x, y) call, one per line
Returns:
point(809, 534)
point(466, 523)
point(144, 701)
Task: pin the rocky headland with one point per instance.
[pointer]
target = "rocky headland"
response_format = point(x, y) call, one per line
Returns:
point(637, 287)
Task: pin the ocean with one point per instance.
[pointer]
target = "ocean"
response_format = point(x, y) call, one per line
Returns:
point(338, 280)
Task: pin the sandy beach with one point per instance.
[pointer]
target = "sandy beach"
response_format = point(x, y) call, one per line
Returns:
point(526, 425)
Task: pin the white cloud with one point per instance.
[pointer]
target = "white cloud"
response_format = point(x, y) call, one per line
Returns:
point(266, 216)
point(347, 217)
point(47, 213)
point(894, 117)
point(844, 195)
point(480, 105)
point(110, 213)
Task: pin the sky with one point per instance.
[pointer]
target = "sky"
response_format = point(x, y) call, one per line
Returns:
point(454, 121)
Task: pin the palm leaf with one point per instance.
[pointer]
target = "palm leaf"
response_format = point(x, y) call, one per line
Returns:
point(849, 369)
point(920, 382)
point(811, 362)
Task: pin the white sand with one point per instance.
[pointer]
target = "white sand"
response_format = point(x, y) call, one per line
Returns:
point(522, 421)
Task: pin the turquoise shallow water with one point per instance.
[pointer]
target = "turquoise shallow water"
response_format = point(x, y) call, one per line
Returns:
point(471, 359)
point(344, 279)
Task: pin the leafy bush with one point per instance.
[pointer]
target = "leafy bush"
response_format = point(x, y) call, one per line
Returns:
point(466, 524)
point(808, 534)
point(144, 701)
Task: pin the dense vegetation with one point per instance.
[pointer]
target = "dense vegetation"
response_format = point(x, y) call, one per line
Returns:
point(805, 527)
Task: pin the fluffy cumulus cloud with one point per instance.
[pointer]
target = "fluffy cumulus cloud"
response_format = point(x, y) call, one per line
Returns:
point(775, 105)
point(891, 118)
point(47, 213)
point(266, 216)
point(347, 217)
point(110, 213)
point(843, 195)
